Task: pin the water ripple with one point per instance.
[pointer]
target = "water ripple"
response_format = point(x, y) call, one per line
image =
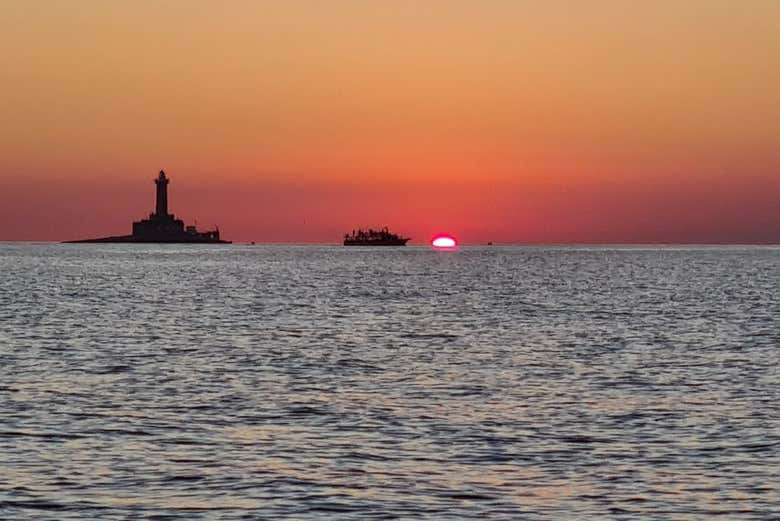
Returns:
point(194, 382)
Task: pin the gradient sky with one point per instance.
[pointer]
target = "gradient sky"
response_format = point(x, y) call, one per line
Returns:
point(296, 121)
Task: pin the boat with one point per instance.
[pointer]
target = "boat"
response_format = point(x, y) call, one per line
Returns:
point(371, 237)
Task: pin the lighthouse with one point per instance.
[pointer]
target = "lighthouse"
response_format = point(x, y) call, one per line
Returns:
point(161, 210)
point(162, 226)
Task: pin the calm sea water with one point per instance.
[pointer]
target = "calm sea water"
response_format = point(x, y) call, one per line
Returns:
point(248, 382)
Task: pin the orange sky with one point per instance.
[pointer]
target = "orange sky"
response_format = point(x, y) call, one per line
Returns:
point(295, 121)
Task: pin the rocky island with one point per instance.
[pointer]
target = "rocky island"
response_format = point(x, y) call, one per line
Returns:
point(162, 226)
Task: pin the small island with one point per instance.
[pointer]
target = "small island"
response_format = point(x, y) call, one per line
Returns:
point(162, 226)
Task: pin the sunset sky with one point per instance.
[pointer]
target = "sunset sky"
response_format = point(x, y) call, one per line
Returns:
point(296, 121)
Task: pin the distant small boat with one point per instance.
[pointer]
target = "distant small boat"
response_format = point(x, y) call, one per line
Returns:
point(370, 237)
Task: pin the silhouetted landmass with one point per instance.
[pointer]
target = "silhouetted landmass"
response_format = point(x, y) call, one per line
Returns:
point(162, 226)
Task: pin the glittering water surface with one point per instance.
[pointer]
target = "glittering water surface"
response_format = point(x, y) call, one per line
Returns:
point(248, 382)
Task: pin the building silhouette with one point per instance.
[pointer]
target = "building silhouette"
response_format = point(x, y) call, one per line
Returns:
point(162, 226)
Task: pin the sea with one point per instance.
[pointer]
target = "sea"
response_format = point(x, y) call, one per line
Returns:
point(243, 382)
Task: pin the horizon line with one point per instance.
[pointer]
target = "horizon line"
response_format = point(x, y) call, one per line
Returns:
point(493, 243)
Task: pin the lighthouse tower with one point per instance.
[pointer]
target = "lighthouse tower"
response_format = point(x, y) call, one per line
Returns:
point(161, 210)
point(161, 226)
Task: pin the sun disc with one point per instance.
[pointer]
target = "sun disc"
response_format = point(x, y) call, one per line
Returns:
point(444, 242)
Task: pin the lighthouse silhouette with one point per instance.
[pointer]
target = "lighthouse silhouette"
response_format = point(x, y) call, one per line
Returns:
point(161, 210)
point(162, 226)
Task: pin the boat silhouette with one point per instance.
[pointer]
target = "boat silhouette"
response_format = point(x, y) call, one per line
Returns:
point(370, 237)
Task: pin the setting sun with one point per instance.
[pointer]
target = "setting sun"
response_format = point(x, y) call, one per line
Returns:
point(444, 242)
